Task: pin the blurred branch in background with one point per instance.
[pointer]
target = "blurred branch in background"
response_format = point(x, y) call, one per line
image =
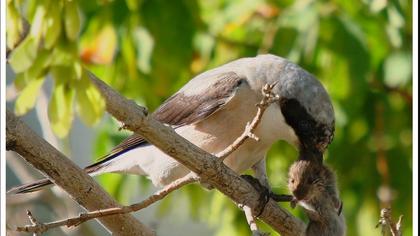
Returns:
point(386, 221)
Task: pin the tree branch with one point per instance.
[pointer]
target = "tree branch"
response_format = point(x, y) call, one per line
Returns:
point(64, 173)
point(75, 221)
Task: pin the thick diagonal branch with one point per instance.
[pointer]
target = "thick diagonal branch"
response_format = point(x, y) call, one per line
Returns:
point(64, 173)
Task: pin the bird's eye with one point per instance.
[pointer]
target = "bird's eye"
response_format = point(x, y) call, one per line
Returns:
point(292, 181)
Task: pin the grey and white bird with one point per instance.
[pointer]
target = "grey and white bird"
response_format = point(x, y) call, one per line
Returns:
point(212, 110)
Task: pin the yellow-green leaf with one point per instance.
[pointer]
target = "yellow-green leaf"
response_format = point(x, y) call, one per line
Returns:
point(21, 80)
point(60, 108)
point(64, 54)
point(52, 25)
point(13, 26)
point(71, 20)
point(27, 97)
point(90, 104)
point(38, 21)
point(39, 66)
point(24, 55)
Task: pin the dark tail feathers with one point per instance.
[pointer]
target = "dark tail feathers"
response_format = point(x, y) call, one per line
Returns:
point(40, 184)
point(31, 187)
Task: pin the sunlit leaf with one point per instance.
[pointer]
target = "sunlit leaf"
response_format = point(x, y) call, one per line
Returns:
point(64, 54)
point(52, 24)
point(38, 20)
point(27, 98)
point(71, 19)
point(90, 104)
point(13, 26)
point(40, 65)
point(21, 80)
point(133, 4)
point(24, 55)
point(60, 108)
point(144, 49)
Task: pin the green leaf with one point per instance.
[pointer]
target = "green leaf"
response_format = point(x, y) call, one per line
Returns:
point(60, 108)
point(13, 26)
point(90, 104)
point(52, 25)
point(144, 49)
point(27, 98)
point(38, 20)
point(40, 65)
point(21, 80)
point(24, 55)
point(64, 54)
point(37, 70)
point(72, 20)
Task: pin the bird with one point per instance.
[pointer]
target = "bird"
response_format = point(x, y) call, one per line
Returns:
point(212, 110)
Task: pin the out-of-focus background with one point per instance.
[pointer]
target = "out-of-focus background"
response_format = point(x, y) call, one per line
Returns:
point(361, 51)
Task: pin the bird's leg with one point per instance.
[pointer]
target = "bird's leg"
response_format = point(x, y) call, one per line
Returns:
point(261, 184)
point(261, 174)
point(264, 193)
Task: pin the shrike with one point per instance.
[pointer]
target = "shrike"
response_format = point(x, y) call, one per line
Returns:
point(212, 110)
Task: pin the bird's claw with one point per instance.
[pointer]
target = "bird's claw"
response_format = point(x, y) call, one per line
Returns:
point(265, 194)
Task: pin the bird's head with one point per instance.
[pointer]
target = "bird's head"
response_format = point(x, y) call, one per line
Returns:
point(306, 108)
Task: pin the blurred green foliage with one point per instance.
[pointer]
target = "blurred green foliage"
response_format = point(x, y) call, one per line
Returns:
point(360, 50)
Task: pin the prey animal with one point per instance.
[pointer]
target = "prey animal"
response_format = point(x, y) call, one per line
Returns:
point(314, 187)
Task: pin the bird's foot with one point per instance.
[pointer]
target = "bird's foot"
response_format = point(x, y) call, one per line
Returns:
point(265, 194)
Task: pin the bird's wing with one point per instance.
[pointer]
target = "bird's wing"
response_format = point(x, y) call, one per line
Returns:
point(186, 108)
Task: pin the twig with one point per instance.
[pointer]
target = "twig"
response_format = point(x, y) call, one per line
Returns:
point(75, 221)
point(268, 98)
point(386, 220)
point(250, 219)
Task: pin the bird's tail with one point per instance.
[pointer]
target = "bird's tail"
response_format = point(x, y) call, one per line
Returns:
point(31, 187)
point(43, 183)
point(113, 162)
